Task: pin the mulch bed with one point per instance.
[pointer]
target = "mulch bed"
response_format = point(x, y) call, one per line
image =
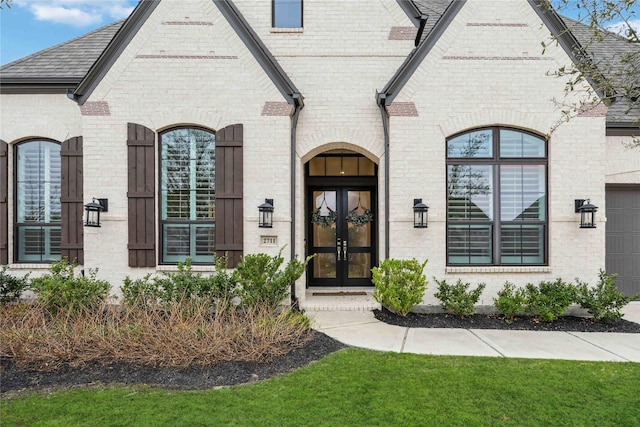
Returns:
point(14, 379)
point(482, 321)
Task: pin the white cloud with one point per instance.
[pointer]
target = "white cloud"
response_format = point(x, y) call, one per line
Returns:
point(622, 28)
point(79, 13)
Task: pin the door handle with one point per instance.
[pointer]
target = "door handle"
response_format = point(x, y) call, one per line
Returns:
point(344, 249)
point(339, 250)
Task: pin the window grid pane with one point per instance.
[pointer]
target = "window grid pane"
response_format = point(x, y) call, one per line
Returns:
point(287, 13)
point(520, 201)
point(188, 195)
point(38, 184)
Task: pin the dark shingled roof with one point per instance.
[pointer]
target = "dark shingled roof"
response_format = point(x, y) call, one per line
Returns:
point(68, 60)
point(72, 60)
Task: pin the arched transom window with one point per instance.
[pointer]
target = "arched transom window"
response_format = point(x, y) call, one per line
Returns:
point(496, 198)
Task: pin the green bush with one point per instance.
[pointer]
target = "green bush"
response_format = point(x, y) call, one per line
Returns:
point(182, 286)
point(549, 300)
point(510, 301)
point(62, 290)
point(603, 301)
point(399, 284)
point(458, 299)
point(11, 287)
point(261, 282)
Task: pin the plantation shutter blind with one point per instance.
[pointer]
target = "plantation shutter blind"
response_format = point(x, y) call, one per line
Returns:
point(71, 199)
point(4, 208)
point(141, 196)
point(229, 192)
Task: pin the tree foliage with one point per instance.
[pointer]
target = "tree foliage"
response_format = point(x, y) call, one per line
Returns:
point(607, 33)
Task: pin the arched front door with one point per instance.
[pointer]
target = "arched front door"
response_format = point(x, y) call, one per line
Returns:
point(342, 217)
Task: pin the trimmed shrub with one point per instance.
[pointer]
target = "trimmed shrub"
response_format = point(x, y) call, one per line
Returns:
point(11, 287)
point(262, 283)
point(63, 290)
point(510, 301)
point(604, 302)
point(399, 284)
point(549, 300)
point(458, 299)
point(181, 286)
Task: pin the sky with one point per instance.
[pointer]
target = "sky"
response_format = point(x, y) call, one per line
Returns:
point(32, 25)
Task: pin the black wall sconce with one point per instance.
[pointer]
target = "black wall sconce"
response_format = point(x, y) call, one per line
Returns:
point(265, 212)
point(93, 209)
point(420, 212)
point(587, 213)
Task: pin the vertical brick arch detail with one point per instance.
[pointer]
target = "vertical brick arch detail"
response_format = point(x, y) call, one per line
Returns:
point(71, 200)
point(4, 208)
point(141, 196)
point(229, 193)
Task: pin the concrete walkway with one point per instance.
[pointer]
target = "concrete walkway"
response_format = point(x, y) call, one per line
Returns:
point(361, 329)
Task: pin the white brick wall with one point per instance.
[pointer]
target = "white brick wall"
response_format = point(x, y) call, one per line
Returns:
point(482, 72)
point(487, 69)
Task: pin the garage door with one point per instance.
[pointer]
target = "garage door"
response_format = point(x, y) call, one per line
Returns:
point(623, 237)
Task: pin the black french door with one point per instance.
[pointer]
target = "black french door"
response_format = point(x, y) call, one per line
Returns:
point(341, 235)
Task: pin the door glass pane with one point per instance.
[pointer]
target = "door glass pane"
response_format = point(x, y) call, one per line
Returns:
point(316, 166)
point(324, 266)
point(367, 167)
point(359, 219)
point(349, 166)
point(324, 217)
point(359, 266)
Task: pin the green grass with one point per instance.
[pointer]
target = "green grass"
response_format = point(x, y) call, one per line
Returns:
point(360, 387)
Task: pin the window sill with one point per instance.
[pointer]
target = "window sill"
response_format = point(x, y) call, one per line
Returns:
point(499, 269)
point(43, 266)
point(287, 30)
point(194, 268)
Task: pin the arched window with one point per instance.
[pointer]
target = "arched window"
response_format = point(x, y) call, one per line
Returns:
point(187, 192)
point(37, 201)
point(496, 198)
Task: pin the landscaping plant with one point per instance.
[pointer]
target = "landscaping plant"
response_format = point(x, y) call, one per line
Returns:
point(604, 302)
point(458, 299)
point(11, 287)
point(549, 300)
point(511, 301)
point(63, 290)
point(262, 283)
point(184, 285)
point(399, 284)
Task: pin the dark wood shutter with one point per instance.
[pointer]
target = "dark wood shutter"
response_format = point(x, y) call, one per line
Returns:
point(4, 207)
point(141, 196)
point(71, 199)
point(229, 210)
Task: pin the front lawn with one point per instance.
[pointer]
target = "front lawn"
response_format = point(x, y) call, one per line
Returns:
point(359, 387)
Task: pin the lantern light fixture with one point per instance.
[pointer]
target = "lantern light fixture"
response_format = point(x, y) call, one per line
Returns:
point(420, 213)
point(265, 212)
point(587, 213)
point(93, 210)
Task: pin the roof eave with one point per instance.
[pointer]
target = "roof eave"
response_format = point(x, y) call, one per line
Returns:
point(406, 70)
point(411, 10)
point(260, 52)
point(38, 85)
point(565, 37)
point(113, 50)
